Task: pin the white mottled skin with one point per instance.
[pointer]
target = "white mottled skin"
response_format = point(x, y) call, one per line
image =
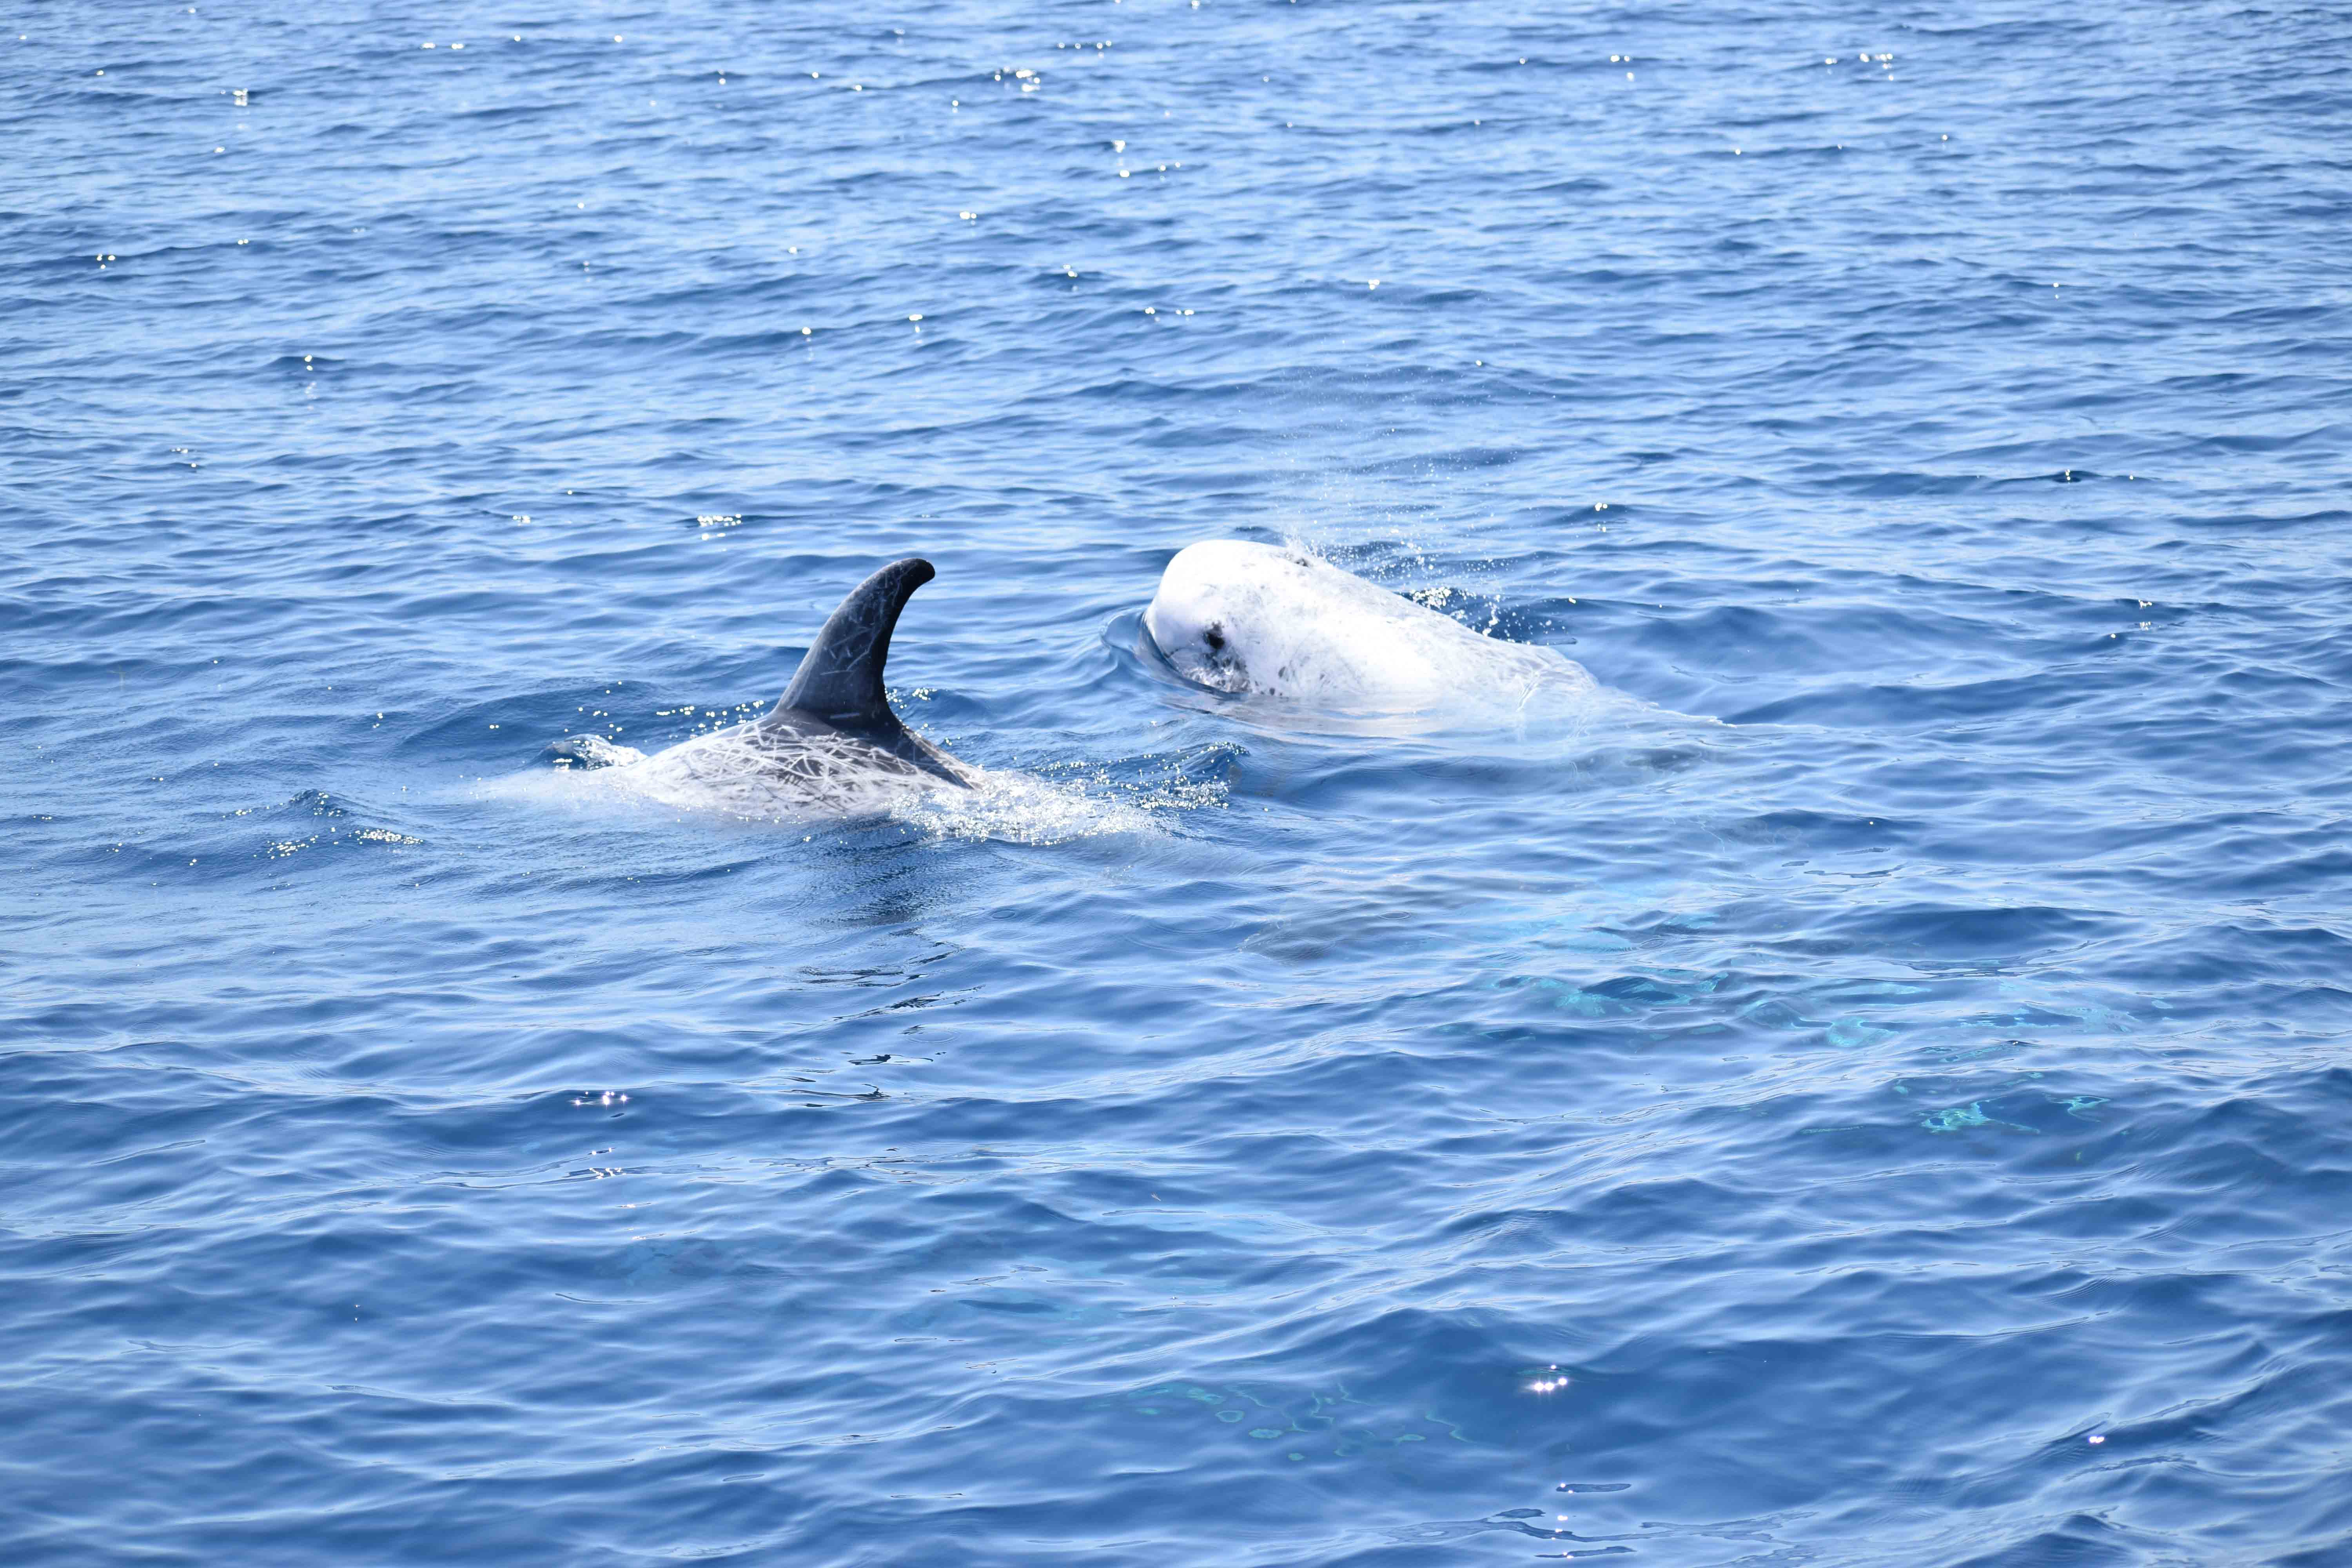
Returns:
point(740, 773)
point(763, 770)
point(1296, 626)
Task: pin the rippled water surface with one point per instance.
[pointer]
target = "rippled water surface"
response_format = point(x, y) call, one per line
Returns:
point(1878, 1096)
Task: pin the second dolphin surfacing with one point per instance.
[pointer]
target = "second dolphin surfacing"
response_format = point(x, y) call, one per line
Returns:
point(1279, 622)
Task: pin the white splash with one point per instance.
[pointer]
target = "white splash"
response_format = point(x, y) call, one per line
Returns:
point(1282, 623)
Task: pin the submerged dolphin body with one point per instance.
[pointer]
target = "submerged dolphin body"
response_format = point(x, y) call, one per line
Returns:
point(831, 741)
point(1276, 622)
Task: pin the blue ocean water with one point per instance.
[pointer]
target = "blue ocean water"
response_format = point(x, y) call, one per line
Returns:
point(1902, 1122)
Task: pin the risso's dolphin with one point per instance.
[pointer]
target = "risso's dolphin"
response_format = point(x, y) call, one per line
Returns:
point(831, 743)
point(1279, 622)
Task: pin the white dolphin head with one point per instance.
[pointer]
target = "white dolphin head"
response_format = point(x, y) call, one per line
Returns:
point(1278, 621)
point(1215, 603)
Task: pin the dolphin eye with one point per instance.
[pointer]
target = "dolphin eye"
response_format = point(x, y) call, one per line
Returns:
point(1215, 635)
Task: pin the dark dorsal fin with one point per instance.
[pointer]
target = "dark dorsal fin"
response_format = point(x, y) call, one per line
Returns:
point(840, 676)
